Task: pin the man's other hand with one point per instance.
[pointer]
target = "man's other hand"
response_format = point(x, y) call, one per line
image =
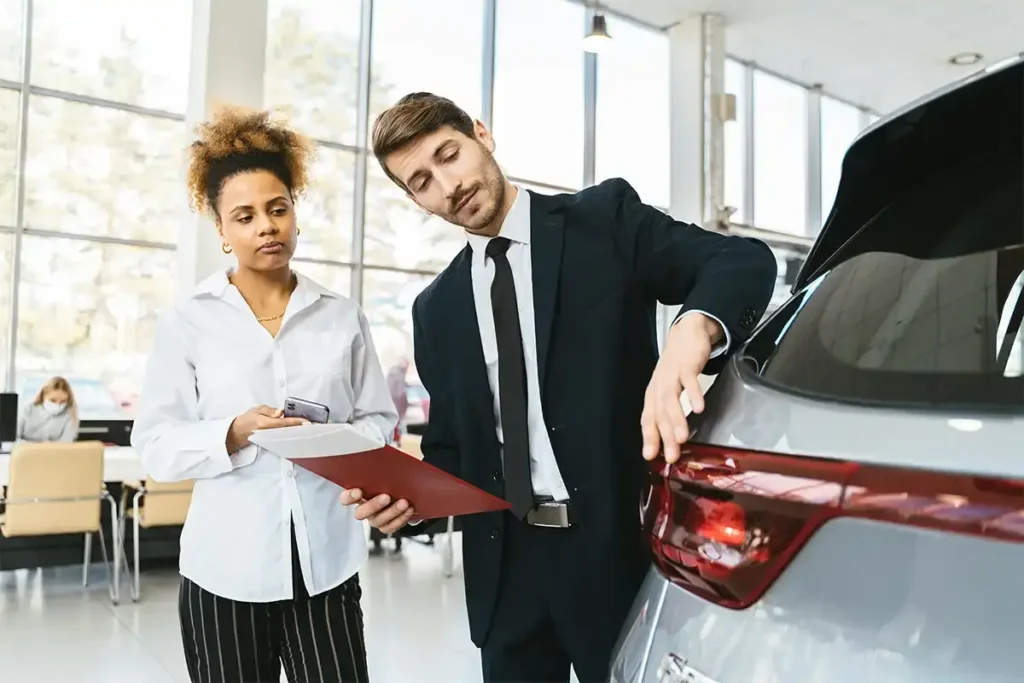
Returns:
point(687, 351)
point(380, 512)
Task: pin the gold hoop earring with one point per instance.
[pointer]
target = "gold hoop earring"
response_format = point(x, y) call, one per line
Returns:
point(225, 248)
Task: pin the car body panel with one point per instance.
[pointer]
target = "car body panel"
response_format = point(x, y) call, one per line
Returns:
point(863, 188)
point(743, 411)
point(637, 636)
point(863, 601)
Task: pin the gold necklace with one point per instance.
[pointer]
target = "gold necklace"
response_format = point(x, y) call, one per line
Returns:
point(269, 318)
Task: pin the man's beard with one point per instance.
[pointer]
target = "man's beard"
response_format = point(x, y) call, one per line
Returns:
point(493, 186)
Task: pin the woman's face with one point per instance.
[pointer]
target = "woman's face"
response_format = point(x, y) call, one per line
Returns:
point(58, 396)
point(256, 218)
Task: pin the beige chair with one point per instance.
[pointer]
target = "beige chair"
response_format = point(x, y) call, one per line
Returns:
point(154, 504)
point(57, 488)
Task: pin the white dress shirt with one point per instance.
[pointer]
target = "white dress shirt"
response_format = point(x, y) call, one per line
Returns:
point(212, 361)
point(547, 480)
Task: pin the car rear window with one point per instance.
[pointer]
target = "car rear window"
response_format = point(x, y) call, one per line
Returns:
point(926, 309)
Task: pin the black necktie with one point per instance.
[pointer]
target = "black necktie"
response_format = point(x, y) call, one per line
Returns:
point(511, 381)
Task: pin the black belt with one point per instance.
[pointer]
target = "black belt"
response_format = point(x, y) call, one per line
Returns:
point(549, 513)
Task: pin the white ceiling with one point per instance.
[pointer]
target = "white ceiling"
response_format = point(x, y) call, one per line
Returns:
point(878, 53)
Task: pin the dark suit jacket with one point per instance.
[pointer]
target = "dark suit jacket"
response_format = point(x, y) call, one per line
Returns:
point(601, 261)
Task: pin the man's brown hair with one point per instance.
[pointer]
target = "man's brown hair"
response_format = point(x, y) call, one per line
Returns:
point(415, 115)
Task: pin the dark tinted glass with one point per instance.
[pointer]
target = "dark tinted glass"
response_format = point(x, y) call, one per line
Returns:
point(927, 308)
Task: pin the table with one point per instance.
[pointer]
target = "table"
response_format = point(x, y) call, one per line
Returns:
point(120, 464)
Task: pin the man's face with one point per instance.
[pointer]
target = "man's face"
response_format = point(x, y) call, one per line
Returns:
point(453, 176)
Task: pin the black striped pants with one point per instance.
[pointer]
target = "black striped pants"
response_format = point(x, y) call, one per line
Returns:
point(317, 639)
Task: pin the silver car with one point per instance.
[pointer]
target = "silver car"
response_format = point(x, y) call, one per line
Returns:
point(851, 508)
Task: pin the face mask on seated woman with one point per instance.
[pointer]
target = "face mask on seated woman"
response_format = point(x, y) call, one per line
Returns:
point(54, 408)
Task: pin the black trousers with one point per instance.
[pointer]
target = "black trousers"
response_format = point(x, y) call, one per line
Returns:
point(317, 639)
point(535, 636)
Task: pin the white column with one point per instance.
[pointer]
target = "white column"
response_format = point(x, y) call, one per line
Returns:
point(229, 40)
point(814, 204)
point(696, 143)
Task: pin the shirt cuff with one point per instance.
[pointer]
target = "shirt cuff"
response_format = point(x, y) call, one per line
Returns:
point(368, 428)
point(724, 344)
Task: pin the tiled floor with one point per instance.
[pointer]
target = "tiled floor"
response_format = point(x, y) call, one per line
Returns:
point(54, 631)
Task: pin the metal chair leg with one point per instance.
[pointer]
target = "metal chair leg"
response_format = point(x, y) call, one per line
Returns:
point(115, 524)
point(449, 550)
point(135, 520)
point(86, 559)
point(123, 535)
point(106, 562)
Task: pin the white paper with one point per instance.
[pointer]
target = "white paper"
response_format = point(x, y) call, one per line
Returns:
point(314, 440)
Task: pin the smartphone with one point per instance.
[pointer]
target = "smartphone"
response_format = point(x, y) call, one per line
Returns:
point(314, 412)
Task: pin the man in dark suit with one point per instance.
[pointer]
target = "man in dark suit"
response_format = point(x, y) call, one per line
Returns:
point(539, 350)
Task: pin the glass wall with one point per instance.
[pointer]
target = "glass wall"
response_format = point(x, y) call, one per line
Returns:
point(92, 142)
point(780, 127)
point(633, 111)
point(783, 159)
point(841, 123)
point(537, 60)
point(92, 138)
point(516, 64)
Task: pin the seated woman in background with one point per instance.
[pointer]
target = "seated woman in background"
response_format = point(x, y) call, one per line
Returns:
point(51, 416)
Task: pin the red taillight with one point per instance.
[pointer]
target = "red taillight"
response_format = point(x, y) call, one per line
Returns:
point(724, 523)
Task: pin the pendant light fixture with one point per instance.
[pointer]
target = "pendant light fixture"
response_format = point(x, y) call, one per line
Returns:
point(598, 39)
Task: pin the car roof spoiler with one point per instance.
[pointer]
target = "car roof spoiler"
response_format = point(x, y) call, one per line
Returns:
point(966, 118)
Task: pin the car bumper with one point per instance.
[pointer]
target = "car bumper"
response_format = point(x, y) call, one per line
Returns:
point(863, 601)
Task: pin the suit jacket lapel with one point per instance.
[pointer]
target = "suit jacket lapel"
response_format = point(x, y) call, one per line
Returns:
point(546, 236)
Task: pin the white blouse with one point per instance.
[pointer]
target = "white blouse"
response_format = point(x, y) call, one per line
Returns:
point(211, 361)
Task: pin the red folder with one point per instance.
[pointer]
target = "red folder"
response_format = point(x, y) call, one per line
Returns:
point(433, 493)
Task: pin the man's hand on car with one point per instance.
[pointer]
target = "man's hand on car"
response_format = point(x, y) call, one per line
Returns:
point(687, 351)
point(380, 512)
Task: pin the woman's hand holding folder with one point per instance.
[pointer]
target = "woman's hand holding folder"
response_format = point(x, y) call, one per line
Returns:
point(381, 513)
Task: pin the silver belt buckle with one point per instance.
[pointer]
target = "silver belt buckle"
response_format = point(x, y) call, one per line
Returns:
point(549, 514)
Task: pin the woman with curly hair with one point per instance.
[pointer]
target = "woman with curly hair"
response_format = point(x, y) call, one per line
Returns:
point(269, 559)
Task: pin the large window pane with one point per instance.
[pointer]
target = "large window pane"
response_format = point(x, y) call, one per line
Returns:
point(335, 278)
point(312, 67)
point(325, 213)
point(780, 155)
point(11, 27)
point(840, 124)
point(632, 95)
point(9, 113)
point(735, 166)
point(98, 171)
point(387, 301)
point(538, 90)
point(399, 234)
point(87, 312)
point(427, 46)
point(6, 256)
point(121, 50)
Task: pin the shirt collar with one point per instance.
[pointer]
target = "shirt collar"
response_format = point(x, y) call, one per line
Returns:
point(516, 226)
point(217, 285)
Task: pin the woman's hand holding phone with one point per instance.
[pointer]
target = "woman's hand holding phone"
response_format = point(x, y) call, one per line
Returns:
point(258, 417)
